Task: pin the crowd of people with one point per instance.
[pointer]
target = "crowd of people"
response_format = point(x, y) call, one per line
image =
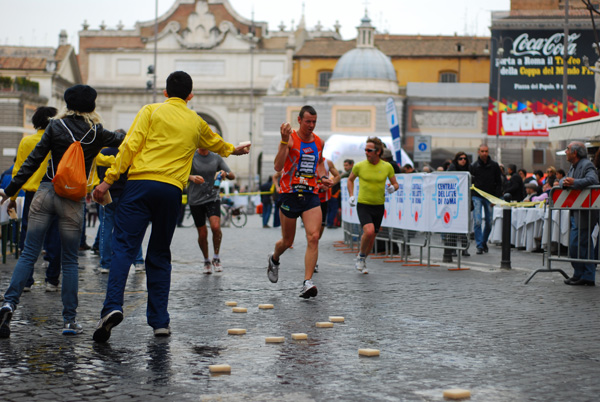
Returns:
point(170, 148)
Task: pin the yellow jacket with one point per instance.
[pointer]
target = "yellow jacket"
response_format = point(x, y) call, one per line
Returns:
point(161, 143)
point(25, 147)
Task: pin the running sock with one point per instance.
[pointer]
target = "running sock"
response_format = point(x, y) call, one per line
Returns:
point(361, 255)
point(275, 261)
point(216, 257)
point(207, 260)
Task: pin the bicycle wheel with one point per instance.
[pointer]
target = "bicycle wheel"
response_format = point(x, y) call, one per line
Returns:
point(240, 219)
point(188, 219)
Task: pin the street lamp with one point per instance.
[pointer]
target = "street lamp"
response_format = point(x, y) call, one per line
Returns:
point(499, 55)
point(253, 41)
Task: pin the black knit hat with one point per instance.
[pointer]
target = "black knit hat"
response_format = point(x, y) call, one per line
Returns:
point(81, 98)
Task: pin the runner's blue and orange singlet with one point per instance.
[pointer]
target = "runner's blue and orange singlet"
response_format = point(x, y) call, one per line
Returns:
point(300, 168)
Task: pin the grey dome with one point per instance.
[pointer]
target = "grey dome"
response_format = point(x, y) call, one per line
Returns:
point(364, 62)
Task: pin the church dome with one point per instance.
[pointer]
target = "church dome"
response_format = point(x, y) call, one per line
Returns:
point(364, 68)
point(364, 62)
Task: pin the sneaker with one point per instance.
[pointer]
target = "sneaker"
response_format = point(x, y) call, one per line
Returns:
point(72, 327)
point(162, 331)
point(27, 289)
point(104, 270)
point(6, 313)
point(316, 268)
point(272, 269)
point(216, 262)
point(51, 288)
point(361, 264)
point(308, 290)
point(106, 323)
point(207, 268)
point(139, 268)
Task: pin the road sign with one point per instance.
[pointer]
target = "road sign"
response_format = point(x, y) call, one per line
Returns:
point(422, 152)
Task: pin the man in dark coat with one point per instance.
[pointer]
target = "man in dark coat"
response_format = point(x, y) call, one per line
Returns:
point(487, 177)
point(515, 186)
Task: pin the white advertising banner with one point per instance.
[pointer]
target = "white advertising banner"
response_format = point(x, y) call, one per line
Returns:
point(435, 202)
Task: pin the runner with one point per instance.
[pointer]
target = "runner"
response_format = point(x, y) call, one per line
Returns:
point(204, 200)
point(373, 173)
point(300, 157)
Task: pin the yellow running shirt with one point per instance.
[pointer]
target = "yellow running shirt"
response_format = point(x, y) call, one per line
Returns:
point(371, 188)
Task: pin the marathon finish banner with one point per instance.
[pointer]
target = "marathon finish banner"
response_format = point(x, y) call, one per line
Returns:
point(531, 80)
point(425, 202)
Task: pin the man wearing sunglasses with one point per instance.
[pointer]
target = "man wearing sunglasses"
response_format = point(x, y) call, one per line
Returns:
point(373, 173)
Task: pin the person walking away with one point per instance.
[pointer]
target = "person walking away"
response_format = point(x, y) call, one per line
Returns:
point(79, 122)
point(300, 156)
point(266, 200)
point(373, 173)
point(159, 147)
point(205, 202)
point(486, 177)
point(582, 174)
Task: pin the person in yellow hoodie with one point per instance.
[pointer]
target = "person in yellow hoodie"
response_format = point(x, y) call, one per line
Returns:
point(40, 119)
point(158, 150)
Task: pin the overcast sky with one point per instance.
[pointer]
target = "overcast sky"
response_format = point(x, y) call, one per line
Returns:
point(38, 22)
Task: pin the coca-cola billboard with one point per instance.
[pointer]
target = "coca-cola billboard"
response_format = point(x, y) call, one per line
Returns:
point(531, 81)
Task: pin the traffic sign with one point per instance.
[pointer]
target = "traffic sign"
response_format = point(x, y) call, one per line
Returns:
point(422, 152)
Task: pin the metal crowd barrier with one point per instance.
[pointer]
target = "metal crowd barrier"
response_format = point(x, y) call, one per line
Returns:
point(583, 206)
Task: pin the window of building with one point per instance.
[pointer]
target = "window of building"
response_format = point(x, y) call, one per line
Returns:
point(539, 156)
point(324, 77)
point(448, 76)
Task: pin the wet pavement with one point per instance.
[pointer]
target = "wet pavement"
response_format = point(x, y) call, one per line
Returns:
point(481, 329)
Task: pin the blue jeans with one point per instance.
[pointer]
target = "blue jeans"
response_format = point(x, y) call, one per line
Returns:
point(107, 223)
point(276, 217)
point(481, 238)
point(578, 248)
point(45, 205)
point(53, 248)
point(266, 213)
point(142, 202)
point(99, 232)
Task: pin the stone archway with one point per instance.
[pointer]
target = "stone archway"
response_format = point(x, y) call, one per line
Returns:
point(212, 122)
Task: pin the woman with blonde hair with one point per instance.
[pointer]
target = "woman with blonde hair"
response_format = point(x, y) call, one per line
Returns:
point(78, 122)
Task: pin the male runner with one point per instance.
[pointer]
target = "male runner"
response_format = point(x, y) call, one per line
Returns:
point(300, 157)
point(373, 173)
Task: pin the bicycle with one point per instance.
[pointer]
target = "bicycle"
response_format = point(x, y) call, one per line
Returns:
point(236, 215)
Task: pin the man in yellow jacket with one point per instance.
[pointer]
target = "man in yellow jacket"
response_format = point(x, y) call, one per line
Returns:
point(40, 119)
point(158, 149)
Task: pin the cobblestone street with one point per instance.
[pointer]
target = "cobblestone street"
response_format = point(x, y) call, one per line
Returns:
point(481, 329)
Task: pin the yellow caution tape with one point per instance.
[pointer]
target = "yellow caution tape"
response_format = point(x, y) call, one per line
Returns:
point(498, 201)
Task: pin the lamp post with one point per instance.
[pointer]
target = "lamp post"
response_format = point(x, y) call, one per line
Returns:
point(155, 49)
point(250, 169)
point(499, 55)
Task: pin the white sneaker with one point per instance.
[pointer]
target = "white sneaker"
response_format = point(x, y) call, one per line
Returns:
point(51, 288)
point(162, 331)
point(216, 262)
point(208, 268)
point(272, 269)
point(139, 268)
point(361, 264)
point(308, 290)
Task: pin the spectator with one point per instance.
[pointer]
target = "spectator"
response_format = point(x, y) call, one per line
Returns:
point(582, 174)
point(531, 190)
point(560, 174)
point(515, 190)
point(539, 177)
point(408, 168)
point(348, 165)
point(266, 200)
point(486, 177)
point(387, 156)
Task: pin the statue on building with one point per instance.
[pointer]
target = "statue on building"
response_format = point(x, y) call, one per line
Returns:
point(596, 70)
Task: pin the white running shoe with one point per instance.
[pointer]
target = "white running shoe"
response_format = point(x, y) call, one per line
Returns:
point(272, 269)
point(361, 264)
point(216, 262)
point(308, 290)
point(208, 268)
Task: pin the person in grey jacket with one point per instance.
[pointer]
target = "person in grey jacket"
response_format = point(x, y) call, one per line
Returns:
point(582, 174)
point(78, 122)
